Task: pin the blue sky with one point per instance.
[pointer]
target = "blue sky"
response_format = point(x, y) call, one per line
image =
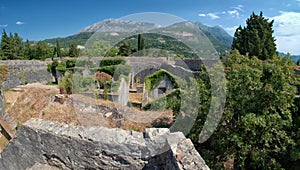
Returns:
point(41, 19)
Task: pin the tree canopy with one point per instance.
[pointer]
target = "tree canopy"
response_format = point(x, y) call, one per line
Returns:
point(256, 38)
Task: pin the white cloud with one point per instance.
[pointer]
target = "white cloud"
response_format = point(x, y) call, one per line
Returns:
point(20, 23)
point(239, 7)
point(213, 15)
point(201, 15)
point(234, 12)
point(4, 25)
point(287, 32)
point(231, 30)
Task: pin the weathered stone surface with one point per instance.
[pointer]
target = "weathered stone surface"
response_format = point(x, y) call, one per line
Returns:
point(2, 102)
point(25, 71)
point(40, 143)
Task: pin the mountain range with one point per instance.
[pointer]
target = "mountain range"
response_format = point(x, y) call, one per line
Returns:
point(116, 29)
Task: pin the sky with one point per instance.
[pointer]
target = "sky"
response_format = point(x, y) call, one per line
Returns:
point(42, 19)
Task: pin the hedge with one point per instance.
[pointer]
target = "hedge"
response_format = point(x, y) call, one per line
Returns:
point(111, 62)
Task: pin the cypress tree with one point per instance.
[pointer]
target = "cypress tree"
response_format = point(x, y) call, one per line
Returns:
point(256, 38)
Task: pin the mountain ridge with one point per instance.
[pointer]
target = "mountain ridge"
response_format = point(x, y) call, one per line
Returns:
point(217, 35)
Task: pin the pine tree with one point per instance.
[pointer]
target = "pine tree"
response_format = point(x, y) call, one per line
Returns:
point(6, 46)
point(17, 47)
point(28, 52)
point(256, 38)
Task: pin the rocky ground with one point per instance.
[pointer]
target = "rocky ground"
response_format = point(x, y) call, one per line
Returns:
point(45, 102)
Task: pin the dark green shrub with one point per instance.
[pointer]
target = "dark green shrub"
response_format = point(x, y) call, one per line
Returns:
point(110, 62)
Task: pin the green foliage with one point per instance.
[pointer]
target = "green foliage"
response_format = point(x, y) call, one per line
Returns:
point(256, 39)
point(255, 129)
point(122, 70)
point(154, 40)
point(52, 69)
point(85, 63)
point(116, 70)
point(79, 39)
point(100, 48)
point(125, 49)
point(41, 51)
point(70, 63)
point(108, 69)
point(112, 52)
point(73, 50)
point(57, 49)
point(170, 101)
point(67, 83)
point(109, 62)
point(12, 47)
point(61, 67)
point(141, 44)
point(152, 80)
point(82, 84)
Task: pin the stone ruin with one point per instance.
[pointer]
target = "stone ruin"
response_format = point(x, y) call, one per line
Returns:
point(41, 144)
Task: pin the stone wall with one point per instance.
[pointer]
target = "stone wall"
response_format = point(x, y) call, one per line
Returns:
point(42, 144)
point(25, 71)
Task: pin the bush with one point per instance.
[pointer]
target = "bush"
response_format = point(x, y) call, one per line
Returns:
point(110, 62)
point(70, 63)
point(61, 67)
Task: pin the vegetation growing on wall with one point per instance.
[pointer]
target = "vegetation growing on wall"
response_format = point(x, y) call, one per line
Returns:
point(170, 101)
point(152, 80)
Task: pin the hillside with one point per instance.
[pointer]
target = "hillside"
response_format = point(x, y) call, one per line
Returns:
point(114, 29)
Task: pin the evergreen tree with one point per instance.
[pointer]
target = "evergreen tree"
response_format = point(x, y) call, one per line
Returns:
point(6, 46)
point(17, 46)
point(256, 38)
point(28, 52)
point(73, 50)
point(57, 50)
point(140, 42)
point(125, 49)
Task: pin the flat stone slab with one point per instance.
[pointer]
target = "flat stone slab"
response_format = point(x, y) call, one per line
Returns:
point(41, 143)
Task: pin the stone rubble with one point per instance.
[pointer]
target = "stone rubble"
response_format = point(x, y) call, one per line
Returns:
point(41, 144)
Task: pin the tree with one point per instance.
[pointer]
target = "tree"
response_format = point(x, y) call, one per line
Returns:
point(67, 83)
point(125, 49)
point(41, 51)
point(57, 50)
point(255, 129)
point(28, 50)
point(113, 52)
point(102, 78)
point(73, 50)
point(17, 46)
point(140, 43)
point(6, 46)
point(256, 38)
point(100, 48)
